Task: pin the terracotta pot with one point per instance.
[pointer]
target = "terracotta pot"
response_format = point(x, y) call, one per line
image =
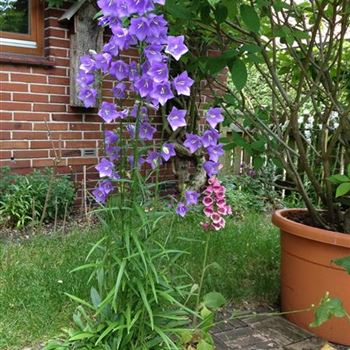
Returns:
point(307, 273)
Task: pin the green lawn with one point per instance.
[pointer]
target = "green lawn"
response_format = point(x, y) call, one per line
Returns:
point(34, 274)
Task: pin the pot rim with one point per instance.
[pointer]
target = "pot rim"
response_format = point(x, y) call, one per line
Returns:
point(313, 233)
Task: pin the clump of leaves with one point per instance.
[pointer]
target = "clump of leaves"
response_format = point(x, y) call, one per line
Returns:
point(23, 197)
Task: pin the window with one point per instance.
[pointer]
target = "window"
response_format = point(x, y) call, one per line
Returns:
point(21, 26)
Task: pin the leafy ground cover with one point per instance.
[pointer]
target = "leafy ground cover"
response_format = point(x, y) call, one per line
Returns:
point(35, 273)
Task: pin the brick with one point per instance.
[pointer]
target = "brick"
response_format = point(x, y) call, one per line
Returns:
point(43, 163)
point(70, 135)
point(51, 22)
point(55, 32)
point(67, 117)
point(16, 106)
point(13, 145)
point(60, 61)
point(51, 126)
point(24, 116)
point(84, 126)
point(5, 154)
point(28, 135)
point(82, 161)
point(46, 144)
point(30, 97)
point(55, 52)
point(16, 126)
point(8, 67)
point(48, 89)
point(15, 163)
point(30, 154)
point(93, 135)
point(54, 42)
point(50, 71)
point(58, 80)
point(5, 115)
point(81, 144)
point(29, 78)
point(68, 153)
point(5, 135)
point(59, 99)
point(92, 118)
point(5, 96)
point(14, 87)
point(4, 76)
point(49, 108)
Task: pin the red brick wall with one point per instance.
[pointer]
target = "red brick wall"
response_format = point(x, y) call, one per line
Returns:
point(35, 98)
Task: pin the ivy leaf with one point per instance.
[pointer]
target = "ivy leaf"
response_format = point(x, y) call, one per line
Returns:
point(338, 179)
point(250, 18)
point(342, 189)
point(344, 263)
point(239, 74)
point(328, 308)
point(214, 300)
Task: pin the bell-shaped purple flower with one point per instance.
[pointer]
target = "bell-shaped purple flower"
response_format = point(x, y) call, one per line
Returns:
point(103, 61)
point(181, 209)
point(106, 186)
point(99, 195)
point(108, 8)
point(210, 138)
point(108, 112)
point(182, 84)
point(113, 152)
point(140, 6)
point(192, 197)
point(105, 168)
point(146, 131)
point(167, 151)
point(214, 116)
point(121, 37)
point(131, 129)
point(176, 118)
point(111, 137)
point(153, 53)
point(133, 71)
point(176, 46)
point(154, 159)
point(139, 28)
point(85, 79)
point(215, 152)
point(211, 168)
point(119, 90)
point(159, 72)
point(88, 96)
point(162, 92)
point(144, 86)
point(119, 69)
point(193, 142)
point(87, 64)
point(158, 26)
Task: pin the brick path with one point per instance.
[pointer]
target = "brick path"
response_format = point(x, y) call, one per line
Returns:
point(262, 332)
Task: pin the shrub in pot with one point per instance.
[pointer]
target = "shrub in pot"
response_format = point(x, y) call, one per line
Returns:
point(289, 94)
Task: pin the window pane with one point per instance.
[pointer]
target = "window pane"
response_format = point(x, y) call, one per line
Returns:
point(14, 16)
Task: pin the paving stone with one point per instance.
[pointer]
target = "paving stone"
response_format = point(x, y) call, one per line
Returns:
point(281, 331)
point(307, 344)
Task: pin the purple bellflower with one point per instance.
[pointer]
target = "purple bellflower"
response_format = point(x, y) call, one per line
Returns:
point(214, 116)
point(210, 138)
point(88, 96)
point(105, 168)
point(119, 69)
point(211, 168)
point(215, 152)
point(154, 159)
point(192, 197)
point(176, 118)
point(146, 131)
point(182, 84)
point(176, 46)
point(159, 72)
point(162, 92)
point(108, 112)
point(119, 91)
point(193, 142)
point(181, 209)
point(110, 137)
point(167, 151)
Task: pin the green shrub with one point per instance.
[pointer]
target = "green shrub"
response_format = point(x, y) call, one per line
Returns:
point(22, 197)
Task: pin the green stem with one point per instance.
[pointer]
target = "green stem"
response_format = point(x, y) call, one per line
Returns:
point(204, 270)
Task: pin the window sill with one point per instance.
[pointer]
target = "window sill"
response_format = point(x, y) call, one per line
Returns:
point(26, 60)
